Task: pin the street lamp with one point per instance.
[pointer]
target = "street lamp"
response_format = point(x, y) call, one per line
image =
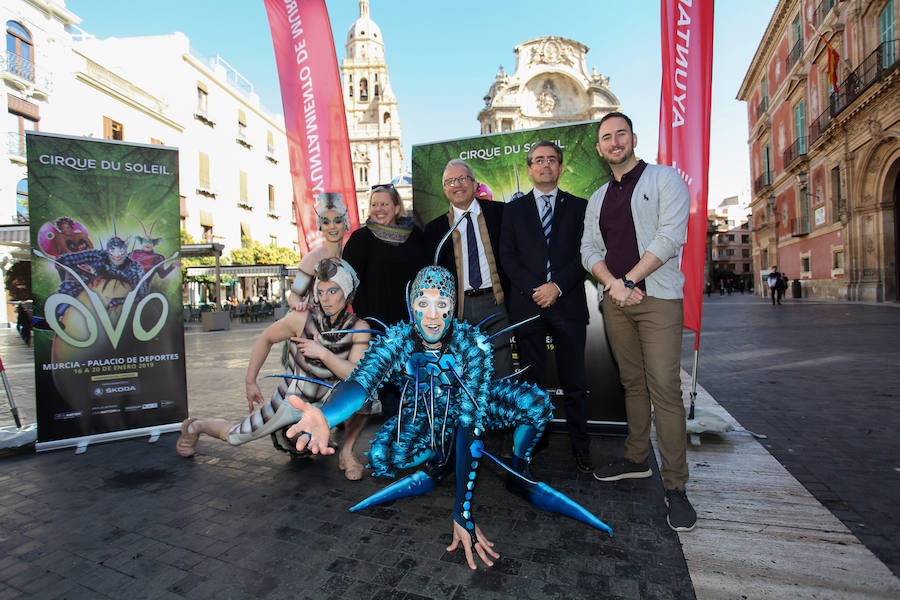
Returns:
point(773, 207)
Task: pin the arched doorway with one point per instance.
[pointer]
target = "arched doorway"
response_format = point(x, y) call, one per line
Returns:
point(896, 194)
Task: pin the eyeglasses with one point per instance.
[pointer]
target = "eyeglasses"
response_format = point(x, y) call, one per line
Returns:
point(541, 161)
point(455, 181)
point(383, 186)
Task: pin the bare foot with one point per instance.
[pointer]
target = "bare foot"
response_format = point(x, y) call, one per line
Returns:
point(187, 441)
point(352, 468)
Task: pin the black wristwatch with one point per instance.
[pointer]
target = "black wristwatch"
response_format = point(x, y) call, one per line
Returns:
point(628, 283)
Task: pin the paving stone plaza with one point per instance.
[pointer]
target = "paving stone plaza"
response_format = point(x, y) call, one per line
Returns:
point(133, 519)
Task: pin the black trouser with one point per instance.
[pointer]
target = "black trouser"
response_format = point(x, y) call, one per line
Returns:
point(568, 341)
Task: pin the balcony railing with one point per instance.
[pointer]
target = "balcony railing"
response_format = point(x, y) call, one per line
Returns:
point(818, 127)
point(822, 11)
point(886, 57)
point(762, 107)
point(241, 138)
point(794, 151)
point(794, 54)
point(762, 182)
point(16, 144)
point(800, 226)
point(19, 65)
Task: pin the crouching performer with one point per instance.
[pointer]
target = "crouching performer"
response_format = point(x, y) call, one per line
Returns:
point(317, 361)
point(444, 368)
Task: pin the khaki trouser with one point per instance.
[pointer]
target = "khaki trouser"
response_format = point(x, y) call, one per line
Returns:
point(646, 342)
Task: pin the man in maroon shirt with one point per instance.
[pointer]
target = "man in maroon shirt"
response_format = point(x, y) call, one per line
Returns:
point(634, 228)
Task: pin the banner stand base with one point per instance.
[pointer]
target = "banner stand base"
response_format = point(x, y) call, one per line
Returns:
point(81, 443)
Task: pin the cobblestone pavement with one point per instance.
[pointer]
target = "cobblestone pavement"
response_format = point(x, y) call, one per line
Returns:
point(130, 519)
point(822, 381)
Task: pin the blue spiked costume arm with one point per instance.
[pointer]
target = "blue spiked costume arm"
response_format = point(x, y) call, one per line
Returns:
point(381, 359)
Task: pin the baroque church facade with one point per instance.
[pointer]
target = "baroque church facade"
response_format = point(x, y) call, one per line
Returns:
point(373, 118)
point(550, 86)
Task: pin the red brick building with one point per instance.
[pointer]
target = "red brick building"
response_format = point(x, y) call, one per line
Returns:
point(824, 162)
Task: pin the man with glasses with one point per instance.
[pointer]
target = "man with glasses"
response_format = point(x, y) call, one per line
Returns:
point(473, 256)
point(540, 251)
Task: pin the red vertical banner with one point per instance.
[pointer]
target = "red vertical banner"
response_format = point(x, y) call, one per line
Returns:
point(687, 46)
point(314, 118)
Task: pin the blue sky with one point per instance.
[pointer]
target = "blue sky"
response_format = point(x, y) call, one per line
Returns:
point(443, 57)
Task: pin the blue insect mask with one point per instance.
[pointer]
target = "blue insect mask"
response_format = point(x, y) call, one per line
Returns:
point(432, 299)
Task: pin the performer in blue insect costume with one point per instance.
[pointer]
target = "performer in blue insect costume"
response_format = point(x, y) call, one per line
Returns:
point(444, 368)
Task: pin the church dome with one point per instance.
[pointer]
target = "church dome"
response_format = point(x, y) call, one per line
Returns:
point(364, 28)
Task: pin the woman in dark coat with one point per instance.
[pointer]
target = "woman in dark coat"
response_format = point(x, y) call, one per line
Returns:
point(386, 254)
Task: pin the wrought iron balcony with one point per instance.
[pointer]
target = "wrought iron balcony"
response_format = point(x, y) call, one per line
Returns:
point(818, 127)
point(886, 57)
point(883, 59)
point(799, 226)
point(794, 151)
point(822, 11)
point(241, 138)
point(19, 66)
point(762, 107)
point(762, 182)
point(795, 53)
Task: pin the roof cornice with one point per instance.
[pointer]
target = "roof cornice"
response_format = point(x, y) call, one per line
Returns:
point(766, 47)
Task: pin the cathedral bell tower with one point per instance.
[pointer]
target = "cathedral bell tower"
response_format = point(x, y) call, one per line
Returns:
point(373, 120)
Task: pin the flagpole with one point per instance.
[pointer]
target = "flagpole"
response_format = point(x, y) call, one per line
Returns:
point(694, 375)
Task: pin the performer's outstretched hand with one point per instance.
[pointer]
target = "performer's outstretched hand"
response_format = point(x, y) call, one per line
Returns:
point(312, 429)
point(254, 396)
point(483, 546)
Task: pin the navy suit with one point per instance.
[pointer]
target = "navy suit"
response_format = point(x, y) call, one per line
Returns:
point(523, 255)
point(473, 309)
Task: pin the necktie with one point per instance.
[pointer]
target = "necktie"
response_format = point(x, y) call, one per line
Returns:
point(546, 224)
point(474, 267)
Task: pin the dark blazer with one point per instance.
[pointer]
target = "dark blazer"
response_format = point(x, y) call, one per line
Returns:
point(523, 254)
point(493, 218)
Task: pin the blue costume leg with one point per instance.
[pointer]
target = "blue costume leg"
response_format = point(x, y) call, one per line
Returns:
point(528, 409)
point(417, 484)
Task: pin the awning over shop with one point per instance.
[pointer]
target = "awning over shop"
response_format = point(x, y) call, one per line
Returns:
point(15, 235)
point(195, 250)
point(244, 271)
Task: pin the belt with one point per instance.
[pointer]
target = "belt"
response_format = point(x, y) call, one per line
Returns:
point(480, 292)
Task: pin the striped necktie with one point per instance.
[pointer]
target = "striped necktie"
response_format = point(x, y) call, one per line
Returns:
point(546, 225)
point(474, 266)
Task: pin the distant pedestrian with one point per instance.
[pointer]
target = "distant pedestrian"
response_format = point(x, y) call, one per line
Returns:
point(23, 323)
point(708, 289)
point(780, 286)
point(777, 286)
point(772, 281)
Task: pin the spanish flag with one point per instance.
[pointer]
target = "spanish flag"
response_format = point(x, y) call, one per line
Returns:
point(833, 58)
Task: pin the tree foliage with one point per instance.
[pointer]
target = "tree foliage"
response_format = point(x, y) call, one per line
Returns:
point(254, 253)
